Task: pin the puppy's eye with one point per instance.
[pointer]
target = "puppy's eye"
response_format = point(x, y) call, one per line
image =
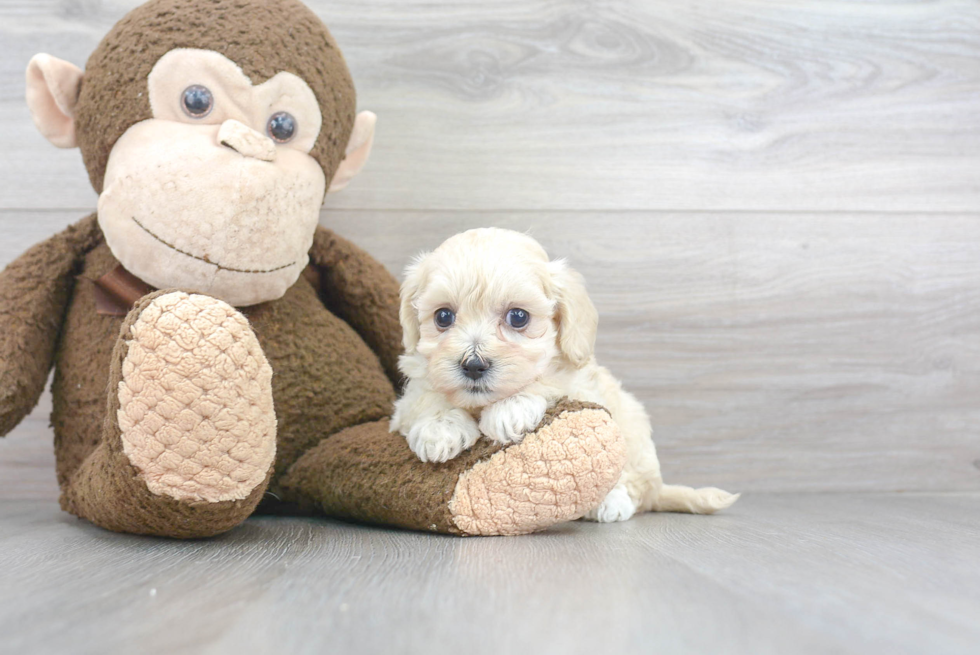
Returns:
point(197, 101)
point(518, 318)
point(444, 318)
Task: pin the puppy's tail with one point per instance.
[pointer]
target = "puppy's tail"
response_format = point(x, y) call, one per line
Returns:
point(706, 500)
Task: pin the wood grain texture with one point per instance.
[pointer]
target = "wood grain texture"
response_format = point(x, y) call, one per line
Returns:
point(775, 574)
point(809, 352)
point(774, 352)
point(625, 104)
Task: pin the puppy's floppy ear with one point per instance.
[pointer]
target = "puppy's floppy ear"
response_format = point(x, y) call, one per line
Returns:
point(577, 317)
point(407, 313)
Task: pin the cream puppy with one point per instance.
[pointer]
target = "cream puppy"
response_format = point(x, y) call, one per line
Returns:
point(494, 334)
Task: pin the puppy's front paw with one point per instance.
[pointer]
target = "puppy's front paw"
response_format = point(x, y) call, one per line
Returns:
point(508, 420)
point(616, 506)
point(441, 437)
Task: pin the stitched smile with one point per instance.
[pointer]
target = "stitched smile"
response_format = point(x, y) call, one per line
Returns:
point(208, 261)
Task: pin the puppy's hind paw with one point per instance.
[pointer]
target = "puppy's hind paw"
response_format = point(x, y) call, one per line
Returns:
point(616, 506)
point(508, 420)
point(442, 437)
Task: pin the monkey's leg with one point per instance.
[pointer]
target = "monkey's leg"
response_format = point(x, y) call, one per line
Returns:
point(190, 432)
point(557, 473)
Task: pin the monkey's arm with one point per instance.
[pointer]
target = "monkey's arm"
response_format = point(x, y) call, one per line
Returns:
point(360, 290)
point(34, 293)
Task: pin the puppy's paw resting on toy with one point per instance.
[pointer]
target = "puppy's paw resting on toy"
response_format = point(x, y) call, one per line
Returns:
point(443, 436)
point(508, 420)
point(434, 430)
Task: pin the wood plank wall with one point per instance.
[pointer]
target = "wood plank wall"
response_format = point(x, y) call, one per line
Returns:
point(776, 205)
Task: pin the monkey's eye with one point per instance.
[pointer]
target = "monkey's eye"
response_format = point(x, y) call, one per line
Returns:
point(197, 101)
point(444, 317)
point(518, 318)
point(282, 126)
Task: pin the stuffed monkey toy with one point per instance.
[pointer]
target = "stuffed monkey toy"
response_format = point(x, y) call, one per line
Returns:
point(216, 352)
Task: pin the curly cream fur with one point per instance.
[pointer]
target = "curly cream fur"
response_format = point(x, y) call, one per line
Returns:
point(481, 275)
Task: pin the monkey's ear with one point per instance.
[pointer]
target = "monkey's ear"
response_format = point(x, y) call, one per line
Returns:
point(358, 150)
point(578, 320)
point(52, 91)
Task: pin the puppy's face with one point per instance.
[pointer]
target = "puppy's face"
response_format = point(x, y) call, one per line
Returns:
point(486, 314)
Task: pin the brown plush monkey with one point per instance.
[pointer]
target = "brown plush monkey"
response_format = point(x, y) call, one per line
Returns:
point(212, 345)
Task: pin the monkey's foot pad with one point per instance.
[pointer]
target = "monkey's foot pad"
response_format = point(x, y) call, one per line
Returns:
point(195, 400)
point(558, 473)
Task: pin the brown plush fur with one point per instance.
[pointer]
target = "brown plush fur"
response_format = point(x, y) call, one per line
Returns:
point(105, 487)
point(371, 309)
point(34, 291)
point(365, 475)
point(264, 38)
point(326, 377)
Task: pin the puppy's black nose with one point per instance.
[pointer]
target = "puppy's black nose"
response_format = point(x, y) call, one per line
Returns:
point(475, 367)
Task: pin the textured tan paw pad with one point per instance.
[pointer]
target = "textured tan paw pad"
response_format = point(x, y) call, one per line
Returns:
point(557, 474)
point(195, 400)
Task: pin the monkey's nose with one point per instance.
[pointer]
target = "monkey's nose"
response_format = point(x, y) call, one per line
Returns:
point(246, 141)
point(475, 367)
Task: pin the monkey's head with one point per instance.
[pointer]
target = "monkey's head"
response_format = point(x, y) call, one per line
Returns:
point(211, 130)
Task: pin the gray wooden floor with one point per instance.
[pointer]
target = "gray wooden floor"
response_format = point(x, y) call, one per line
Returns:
point(776, 206)
point(816, 573)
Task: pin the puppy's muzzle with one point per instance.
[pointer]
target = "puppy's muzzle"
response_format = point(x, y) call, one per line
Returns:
point(475, 367)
